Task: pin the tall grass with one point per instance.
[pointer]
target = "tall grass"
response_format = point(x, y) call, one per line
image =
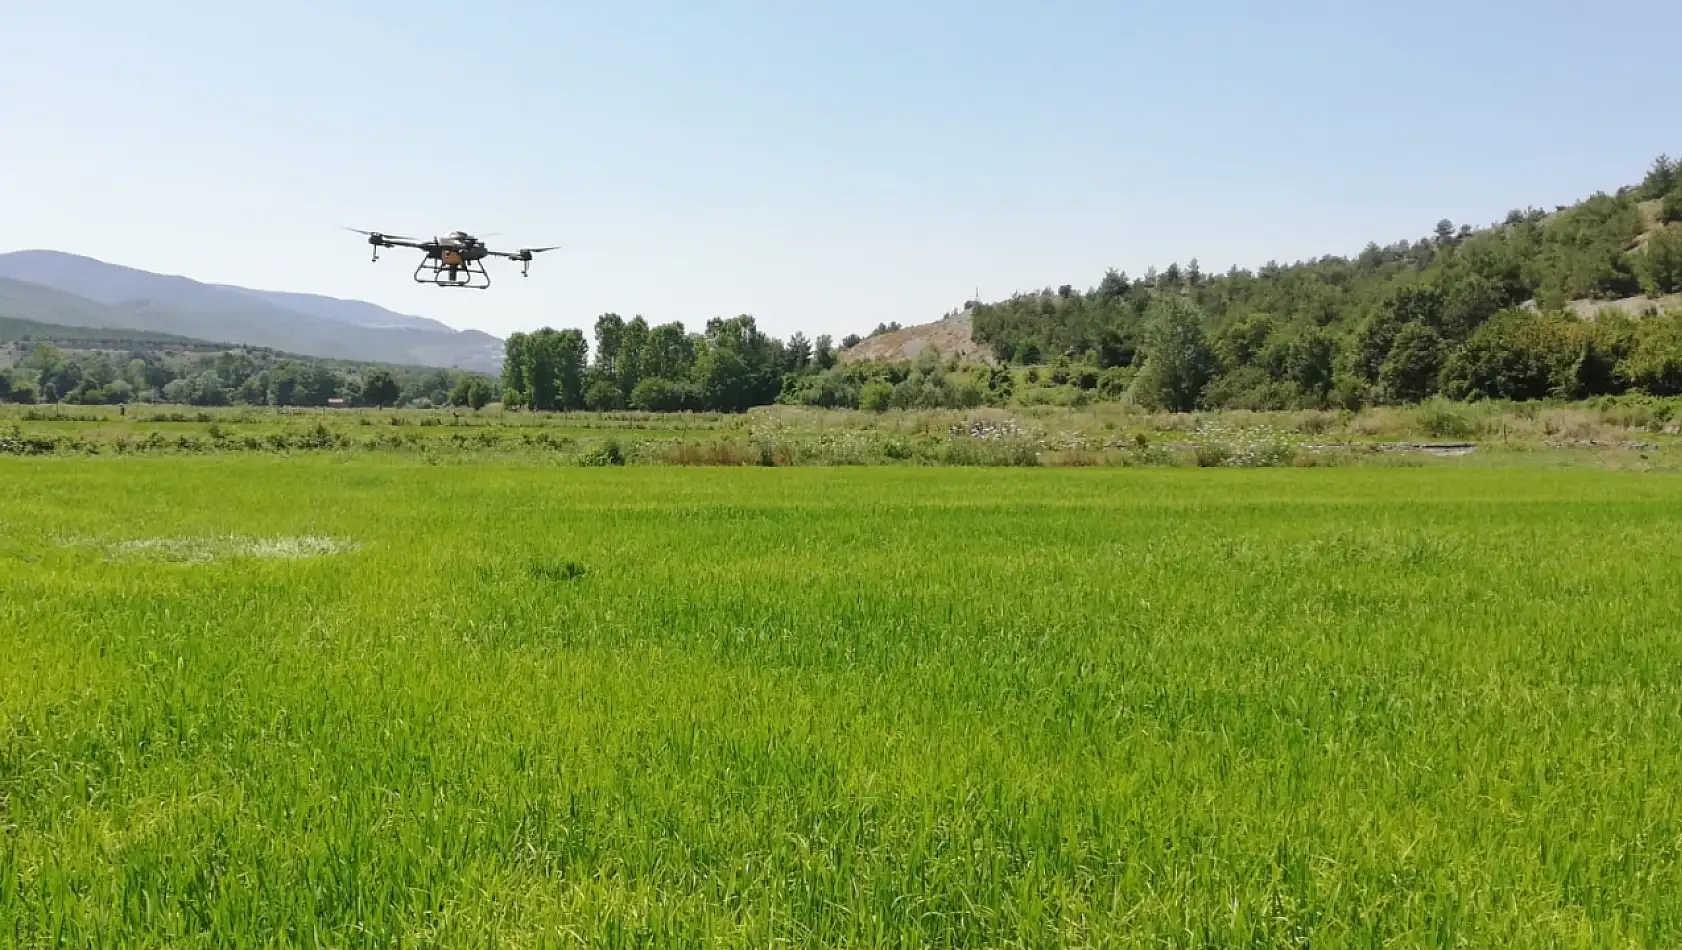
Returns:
point(760, 706)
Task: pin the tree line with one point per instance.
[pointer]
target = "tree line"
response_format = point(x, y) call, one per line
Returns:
point(731, 366)
point(48, 373)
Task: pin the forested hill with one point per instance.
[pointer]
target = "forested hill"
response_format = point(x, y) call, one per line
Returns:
point(46, 363)
point(1468, 311)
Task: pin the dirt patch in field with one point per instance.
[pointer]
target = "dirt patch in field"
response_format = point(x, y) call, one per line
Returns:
point(226, 547)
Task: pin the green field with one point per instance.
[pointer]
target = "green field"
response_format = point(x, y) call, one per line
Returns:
point(356, 700)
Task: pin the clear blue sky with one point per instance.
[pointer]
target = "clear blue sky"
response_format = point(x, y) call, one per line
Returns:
point(821, 166)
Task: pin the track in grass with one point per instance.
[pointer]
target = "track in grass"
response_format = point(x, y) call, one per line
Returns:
point(521, 706)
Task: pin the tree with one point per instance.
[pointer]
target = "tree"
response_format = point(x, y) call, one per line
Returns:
point(1664, 175)
point(722, 376)
point(1240, 341)
point(1178, 360)
point(379, 388)
point(473, 391)
point(1403, 305)
point(850, 340)
point(1410, 372)
point(1113, 288)
point(610, 333)
point(1001, 385)
point(1509, 357)
point(516, 388)
point(283, 384)
point(603, 396)
point(554, 367)
point(1660, 266)
point(1310, 363)
point(179, 392)
point(571, 351)
point(1468, 303)
point(1671, 209)
point(1655, 365)
point(797, 353)
point(823, 353)
point(660, 395)
point(633, 345)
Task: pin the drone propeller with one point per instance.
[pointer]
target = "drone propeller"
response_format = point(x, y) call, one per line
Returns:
point(527, 252)
point(381, 234)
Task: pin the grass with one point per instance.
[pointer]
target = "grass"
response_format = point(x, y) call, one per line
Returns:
point(359, 701)
point(1633, 433)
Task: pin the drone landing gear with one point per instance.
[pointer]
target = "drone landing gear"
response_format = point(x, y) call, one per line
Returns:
point(466, 274)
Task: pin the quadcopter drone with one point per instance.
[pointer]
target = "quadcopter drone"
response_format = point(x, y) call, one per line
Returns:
point(456, 260)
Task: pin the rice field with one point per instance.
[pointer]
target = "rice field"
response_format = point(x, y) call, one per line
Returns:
point(362, 701)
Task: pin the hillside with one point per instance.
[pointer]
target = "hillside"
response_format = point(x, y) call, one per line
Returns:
point(951, 336)
point(43, 362)
point(67, 289)
point(1494, 311)
point(13, 330)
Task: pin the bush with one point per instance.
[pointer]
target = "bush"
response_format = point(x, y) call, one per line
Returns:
point(1212, 454)
point(876, 396)
point(605, 454)
point(603, 396)
point(661, 395)
point(1655, 363)
point(1671, 209)
point(1440, 422)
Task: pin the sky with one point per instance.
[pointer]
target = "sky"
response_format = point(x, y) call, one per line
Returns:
point(823, 166)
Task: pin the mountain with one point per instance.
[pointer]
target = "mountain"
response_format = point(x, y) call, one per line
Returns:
point(354, 312)
point(56, 287)
point(12, 329)
point(38, 303)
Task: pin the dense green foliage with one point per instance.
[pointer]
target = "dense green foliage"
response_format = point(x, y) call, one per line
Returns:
point(1394, 324)
point(730, 367)
point(370, 703)
point(96, 368)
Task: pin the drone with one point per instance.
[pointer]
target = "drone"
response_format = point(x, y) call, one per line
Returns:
point(455, 260)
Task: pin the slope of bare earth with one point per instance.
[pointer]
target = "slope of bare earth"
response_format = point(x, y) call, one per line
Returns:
point(951, 336)
point(1631, 306)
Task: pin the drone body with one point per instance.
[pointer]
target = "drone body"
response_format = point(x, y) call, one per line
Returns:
point(456, 260)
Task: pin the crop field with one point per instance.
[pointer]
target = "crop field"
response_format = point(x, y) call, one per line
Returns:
point(360, 700)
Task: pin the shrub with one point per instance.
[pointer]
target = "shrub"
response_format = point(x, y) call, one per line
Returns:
point(1212, 454)
point(603, 396)
point(605, 454)
point(1440, 422)
point(876, 396)
point(659, 395)
point(1660, 266)
point(1671, 209)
